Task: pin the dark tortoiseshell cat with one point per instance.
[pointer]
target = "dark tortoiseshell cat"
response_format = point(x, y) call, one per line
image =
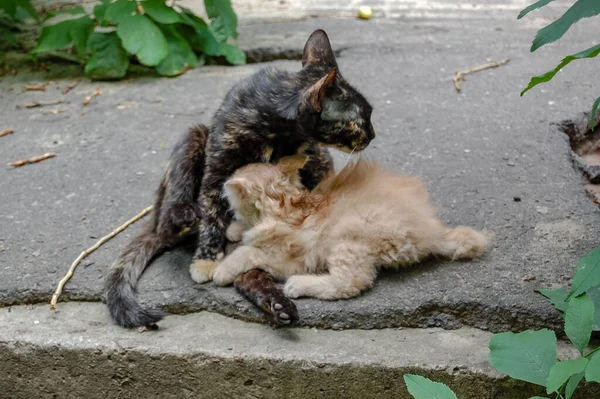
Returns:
point(265, 117)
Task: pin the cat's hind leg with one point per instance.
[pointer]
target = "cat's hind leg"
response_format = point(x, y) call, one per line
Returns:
point(351, 270)
point(464, 243)
point(259, 288)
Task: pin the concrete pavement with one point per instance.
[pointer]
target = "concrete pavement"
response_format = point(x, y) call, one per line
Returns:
point(478, 152)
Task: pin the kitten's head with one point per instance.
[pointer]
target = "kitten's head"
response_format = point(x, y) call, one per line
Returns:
point(260, 189)
point(340, 114)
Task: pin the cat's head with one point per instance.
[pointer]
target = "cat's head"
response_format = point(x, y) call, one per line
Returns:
point(339, 114)
point(260, 189)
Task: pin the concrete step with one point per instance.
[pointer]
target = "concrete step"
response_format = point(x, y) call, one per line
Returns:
point(76, 352)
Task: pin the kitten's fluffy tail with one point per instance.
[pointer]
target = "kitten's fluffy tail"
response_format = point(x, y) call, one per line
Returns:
point(465, 243)
point(119, 286)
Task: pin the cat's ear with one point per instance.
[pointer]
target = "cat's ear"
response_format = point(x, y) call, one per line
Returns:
point(317, 51)
point(292, 164)
point(317, 92)
point(238, 186)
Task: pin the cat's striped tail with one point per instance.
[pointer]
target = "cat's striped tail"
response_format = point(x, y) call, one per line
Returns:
point(119, 286)
point(120, 283)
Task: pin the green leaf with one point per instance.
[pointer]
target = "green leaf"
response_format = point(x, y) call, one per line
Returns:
point(224, 20)
point(572, 385)
point(579, 320)
point(581, 9)
point(233, 54)
point(141, 36)
point(180, 57)
point(68, 11)
point(534, 6)
point(160, 12)
point(99, 12)
point(562, 371)
point(199, 36)
point(8, 36)
point(593, 116)
point(588, 272)
point(592, 373)
point(536, 80)
point(423, 388)
point(9, 7)
point(557, 297)
point(119, 11)
point(527, 356)
point(80, 32)
point(594, 294)
point(63, 34)
point(108, 59)
point(26, 6)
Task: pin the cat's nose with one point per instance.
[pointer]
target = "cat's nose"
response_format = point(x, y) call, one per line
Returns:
point(369, 132)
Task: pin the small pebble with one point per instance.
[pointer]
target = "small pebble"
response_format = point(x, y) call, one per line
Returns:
point(510, 163)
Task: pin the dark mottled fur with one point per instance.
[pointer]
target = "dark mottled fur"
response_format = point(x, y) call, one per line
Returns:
point(175, 213)
point(259, 287)
point(275, 113)
point(267, 116)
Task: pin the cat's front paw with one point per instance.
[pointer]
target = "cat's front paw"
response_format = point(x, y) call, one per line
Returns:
point(297, 286)
point(202, 270)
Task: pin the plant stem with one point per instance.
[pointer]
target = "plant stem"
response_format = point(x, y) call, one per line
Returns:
point(593, 351)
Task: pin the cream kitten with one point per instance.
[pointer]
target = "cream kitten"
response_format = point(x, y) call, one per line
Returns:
point(329, 243)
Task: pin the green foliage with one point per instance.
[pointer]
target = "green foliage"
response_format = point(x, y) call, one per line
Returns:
point(554, 31)
point(562, 371)
point(531, 355)
point(588, 273)
point(536, 80)
point(13, 13)
point(423, 388)
point(579, 321)
point(170, 39)
point(108, 59)
point(527, 356)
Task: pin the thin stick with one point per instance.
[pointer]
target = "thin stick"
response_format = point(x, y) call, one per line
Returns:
point(6, 132)
point(88, 251)
point(23, 162)
point(459, 75)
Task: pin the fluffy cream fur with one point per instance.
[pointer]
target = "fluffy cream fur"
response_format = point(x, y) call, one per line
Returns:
point(329, 243)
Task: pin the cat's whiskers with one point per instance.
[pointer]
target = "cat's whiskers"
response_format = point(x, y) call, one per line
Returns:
point(349, 157)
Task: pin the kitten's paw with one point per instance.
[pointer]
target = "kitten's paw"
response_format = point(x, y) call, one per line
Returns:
point(283, 309)
point(201, 270)
point(296, 286)
point(235, 231)
point(224, 275)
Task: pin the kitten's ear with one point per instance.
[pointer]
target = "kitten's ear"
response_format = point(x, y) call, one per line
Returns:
point(292, 164)
point(317, 51)
point(317, 92)
point(237, 186)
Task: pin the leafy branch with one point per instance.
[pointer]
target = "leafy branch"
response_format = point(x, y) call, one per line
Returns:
point(531, 356)
point(554, 31)
point(170, 39)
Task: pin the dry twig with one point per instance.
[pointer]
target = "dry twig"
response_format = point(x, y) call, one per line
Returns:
point(88, 251)
point(460, 74)
point(87, 99)
point(36, 87)
point(36, 104)
point(54, 111)
point(6, 132)
point(23, 162)
point(69, 87)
